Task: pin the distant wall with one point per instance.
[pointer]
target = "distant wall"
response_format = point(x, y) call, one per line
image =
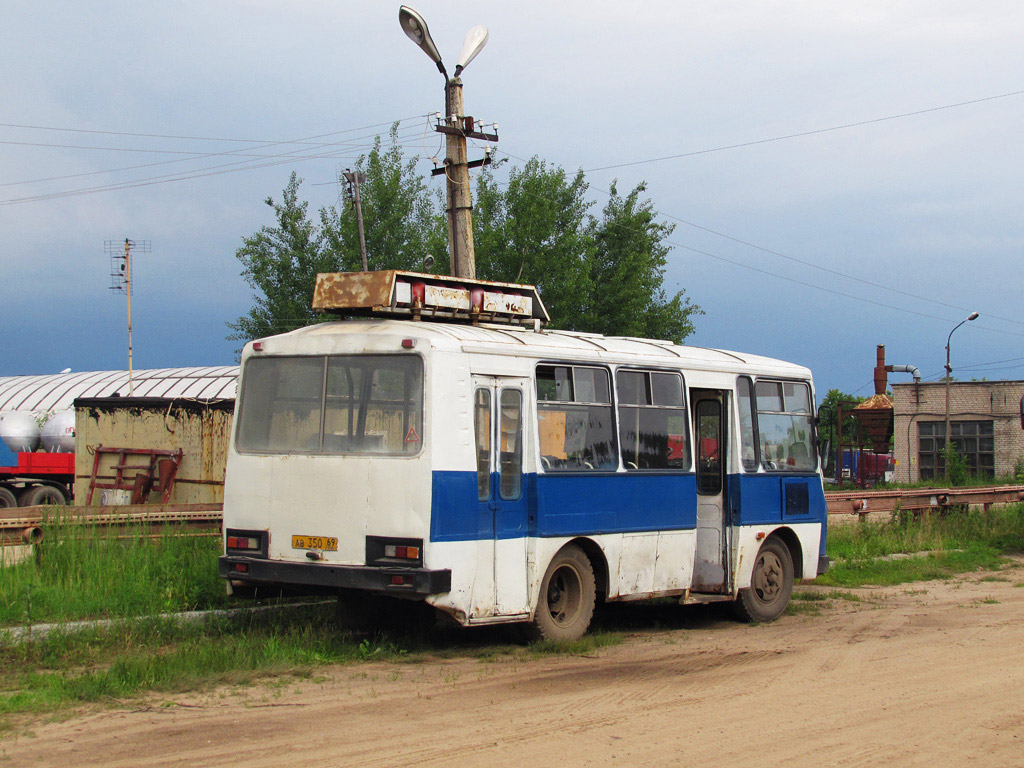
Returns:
point(201, 429)
point(995, 401)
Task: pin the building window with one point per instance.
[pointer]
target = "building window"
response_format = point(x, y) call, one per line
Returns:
point(971, 439)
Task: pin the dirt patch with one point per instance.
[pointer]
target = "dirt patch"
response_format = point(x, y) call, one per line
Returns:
point(929, 674)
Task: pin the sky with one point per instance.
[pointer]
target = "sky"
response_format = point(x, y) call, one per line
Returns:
point(840, 175)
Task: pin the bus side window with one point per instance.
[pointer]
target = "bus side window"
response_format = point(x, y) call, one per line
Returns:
point(785, 426)
point(511, 444)
point(482, 427)
point(652, 420)
point(575, 419)
point(748, 423)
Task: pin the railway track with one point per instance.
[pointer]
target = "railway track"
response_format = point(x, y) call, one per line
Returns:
point(27, 525)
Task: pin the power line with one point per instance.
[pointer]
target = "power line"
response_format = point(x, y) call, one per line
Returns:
point(234, 152)
point(809, 264)
point(835, 272)
point(403, 142)
point(205, 138)
point(248, 164)
point(805, 133)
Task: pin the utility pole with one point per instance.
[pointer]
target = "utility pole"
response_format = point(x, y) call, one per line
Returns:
point(457, 127)
point(354, 179)
point(121, 280)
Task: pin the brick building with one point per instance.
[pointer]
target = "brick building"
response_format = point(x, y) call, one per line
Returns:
point(985, 427)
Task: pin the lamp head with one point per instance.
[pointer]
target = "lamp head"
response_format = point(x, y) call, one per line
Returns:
point(972, 316)
point(415, 27)
point(475, 41)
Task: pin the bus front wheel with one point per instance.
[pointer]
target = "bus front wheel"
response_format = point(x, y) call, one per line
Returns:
point(771, 584)
point(567, 594)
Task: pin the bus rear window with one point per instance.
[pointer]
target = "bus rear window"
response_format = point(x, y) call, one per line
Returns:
point(331, 405)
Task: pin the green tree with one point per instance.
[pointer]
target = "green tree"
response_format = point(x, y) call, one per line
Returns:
point(602, 274)
point(828, 426)
point(627, 273)
point(402, 220)
point(280, 263)
point(534, 230)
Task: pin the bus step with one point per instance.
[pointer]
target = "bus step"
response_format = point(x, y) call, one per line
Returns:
point(695, 598)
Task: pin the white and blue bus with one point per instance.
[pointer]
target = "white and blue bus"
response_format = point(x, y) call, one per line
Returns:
point(503, 473)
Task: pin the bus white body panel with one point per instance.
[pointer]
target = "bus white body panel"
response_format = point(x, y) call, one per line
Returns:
point(451, 463)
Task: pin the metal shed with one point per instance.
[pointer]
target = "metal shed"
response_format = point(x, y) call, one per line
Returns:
point(56, 392)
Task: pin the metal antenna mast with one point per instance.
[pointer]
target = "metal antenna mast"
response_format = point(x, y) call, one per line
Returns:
point(121, 280)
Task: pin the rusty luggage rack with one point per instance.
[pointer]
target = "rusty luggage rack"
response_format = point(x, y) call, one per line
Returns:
point(26, 525)
point(919, 500)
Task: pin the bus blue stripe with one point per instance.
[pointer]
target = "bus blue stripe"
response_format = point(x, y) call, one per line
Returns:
point(564, 505)
point(596, 503)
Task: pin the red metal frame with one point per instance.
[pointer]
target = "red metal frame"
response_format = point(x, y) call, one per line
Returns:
point(147, 478)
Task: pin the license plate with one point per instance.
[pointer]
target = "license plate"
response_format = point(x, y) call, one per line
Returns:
point(326, 543)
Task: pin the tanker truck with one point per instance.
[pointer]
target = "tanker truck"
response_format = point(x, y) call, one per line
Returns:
point(37, 458)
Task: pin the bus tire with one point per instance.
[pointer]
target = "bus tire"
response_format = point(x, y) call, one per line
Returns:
point(567, 593)
point(771, 584)
point(7, 498)
point(45, 495)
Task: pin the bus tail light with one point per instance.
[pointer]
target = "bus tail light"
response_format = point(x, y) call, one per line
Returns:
point(243, 542)
point(385, 550)
point(408, 553)
point(249, 543)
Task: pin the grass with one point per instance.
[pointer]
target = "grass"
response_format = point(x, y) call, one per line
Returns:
point(954, 543)
point(110, 664)
point(81, 573)
point(812, 602)
point(124, 660)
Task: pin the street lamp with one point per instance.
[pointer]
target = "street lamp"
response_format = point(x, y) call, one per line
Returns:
point(949, 370)
point(456, 128)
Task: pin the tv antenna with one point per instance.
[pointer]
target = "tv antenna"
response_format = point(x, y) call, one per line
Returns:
point(121, 280)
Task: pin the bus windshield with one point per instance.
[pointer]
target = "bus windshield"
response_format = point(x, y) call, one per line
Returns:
point(331, 405)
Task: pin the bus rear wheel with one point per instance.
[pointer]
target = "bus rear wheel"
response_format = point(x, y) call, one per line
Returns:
point(567, 595)
point(7, 498)
point(771, 584)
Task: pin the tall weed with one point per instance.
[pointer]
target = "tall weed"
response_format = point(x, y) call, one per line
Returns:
point(82, 572)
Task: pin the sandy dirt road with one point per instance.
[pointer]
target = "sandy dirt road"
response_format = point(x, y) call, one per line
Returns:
point(919, 675)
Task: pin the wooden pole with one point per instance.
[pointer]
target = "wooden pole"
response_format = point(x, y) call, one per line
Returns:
point(460, 202)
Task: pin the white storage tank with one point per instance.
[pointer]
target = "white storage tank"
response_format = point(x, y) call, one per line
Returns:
point(58, 433)
point(20, 431)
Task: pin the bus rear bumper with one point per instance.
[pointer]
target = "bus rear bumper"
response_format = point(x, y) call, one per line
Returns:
point(396, 581)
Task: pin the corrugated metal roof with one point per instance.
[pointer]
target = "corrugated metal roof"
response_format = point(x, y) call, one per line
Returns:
point(59, 391)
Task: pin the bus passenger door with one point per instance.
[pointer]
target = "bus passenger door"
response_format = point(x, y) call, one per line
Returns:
point(710, 565)
point(500, 587)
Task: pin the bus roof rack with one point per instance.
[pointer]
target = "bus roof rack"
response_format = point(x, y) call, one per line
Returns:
point(418, 296)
